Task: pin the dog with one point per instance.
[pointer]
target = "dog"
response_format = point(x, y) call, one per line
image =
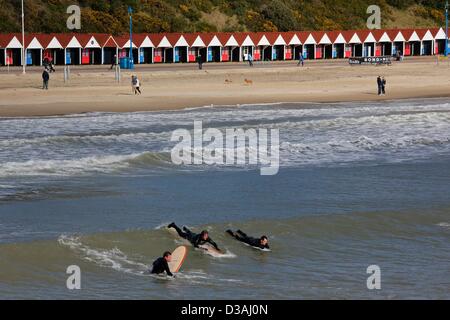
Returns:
point(248, 82)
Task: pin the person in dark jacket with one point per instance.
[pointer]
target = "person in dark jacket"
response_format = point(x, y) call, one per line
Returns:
point(196, 239)
point(45, 79)
point(200, 62)
point(261, 243)
point(383, 86)
point(161, 265)
point(380, 85)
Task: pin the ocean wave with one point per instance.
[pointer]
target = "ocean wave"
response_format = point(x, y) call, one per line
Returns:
point(97, 164)
point(113, 258)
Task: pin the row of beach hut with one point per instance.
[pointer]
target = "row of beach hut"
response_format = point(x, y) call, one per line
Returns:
point(85, 49)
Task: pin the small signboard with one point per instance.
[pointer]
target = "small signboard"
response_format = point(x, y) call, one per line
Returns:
point(370, 60)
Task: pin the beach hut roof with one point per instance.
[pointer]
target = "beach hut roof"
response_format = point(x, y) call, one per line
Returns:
point(10, 41)
point(396, 35)
point(425, 34)
point(414, 36)
point(292, 38)
point(212, 40)
point(322, 37)
point(195, 40)
point(310, 39)
point(227, 39)
point(88, 41)
point(49, 41)
point(68, 40)
point(142, 40)
point(32, 42)
point(124, 42)
point(244, 39)
point(381, 36)
point(439, 33)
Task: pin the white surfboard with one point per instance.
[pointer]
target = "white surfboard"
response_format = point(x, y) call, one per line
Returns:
point(211, 250)
point(178, 257)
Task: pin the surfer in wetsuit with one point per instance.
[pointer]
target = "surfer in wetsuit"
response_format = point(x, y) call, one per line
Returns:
point(261, 243)
point(161, 265)
point(194, 238)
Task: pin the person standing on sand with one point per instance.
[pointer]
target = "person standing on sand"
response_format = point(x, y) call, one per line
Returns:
point(250, 60)
point(45, 79)
point(200, 62)
point(383, 86)
point(380, 85)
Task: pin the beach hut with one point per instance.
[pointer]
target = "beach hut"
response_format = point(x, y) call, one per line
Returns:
point(197, 47)
point(339, 48)
point(398, 41)
point(123, 43)
point(72, 48)
point(12, 50)
point(246, 45)
point(145, 48)
point(294, 44)
point(383, 46)
point(354, 41)
point(263, 47)
point(324, 47)
point(110, 48)
point(426, 42)
point(439, 39)
point(214, 47)
point(279, 46)
point(309, 45)
point(180, 47)
point(53, 49)
point(230, 48)
point(413, 46)
point(33, 51)
point(91, 52)
point(369, 42)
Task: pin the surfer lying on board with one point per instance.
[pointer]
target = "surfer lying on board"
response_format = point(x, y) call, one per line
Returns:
point(162, 264)
point(196, 239)
point(261, 243)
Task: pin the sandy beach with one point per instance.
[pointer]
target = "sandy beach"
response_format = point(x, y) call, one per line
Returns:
point(93, 89)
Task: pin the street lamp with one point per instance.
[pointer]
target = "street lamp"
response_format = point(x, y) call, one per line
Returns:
point(130, 12)
point(24, 62)
point(446, 29)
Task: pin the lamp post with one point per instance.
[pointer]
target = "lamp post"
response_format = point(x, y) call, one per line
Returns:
point(446, 29)
point(130, 12)
point(24, 62)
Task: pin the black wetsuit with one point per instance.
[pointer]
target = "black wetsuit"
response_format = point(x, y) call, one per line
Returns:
point(160, 265)
point(195, 239)
point(254, 242)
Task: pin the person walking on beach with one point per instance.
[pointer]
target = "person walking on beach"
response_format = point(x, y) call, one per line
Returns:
point(200, 62)
point(250, 60)
point(45, 79)
point(380, 85)
point(135, 83)
point(114, 61)
point(301, 60)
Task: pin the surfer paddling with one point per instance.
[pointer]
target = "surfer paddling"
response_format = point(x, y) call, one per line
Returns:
point(261, 243)
point(197, 240)
point(161, 265)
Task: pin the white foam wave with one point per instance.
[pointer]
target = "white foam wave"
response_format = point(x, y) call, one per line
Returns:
point(112, 258)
